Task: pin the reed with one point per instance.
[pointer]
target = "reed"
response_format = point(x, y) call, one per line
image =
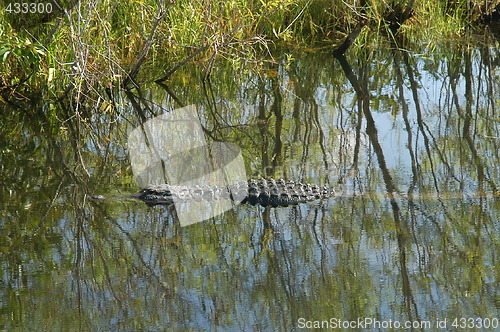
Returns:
point(92, 44)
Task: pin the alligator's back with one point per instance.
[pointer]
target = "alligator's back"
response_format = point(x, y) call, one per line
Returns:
point(264, 192)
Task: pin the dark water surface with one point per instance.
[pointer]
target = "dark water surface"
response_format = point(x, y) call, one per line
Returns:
point(410, 142)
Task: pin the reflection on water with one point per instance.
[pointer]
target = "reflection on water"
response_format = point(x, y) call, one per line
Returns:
point(409, 142)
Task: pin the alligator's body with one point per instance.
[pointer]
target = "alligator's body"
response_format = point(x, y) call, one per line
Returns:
point(264, 192)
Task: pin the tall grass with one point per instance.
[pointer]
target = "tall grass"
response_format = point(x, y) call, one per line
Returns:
point(91, 44)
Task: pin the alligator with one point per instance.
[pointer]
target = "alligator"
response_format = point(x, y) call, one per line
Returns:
point(271, 192)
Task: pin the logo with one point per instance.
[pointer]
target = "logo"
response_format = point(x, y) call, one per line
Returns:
point(172, 149)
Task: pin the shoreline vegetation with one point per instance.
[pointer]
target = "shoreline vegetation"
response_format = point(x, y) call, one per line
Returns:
point(88, 48)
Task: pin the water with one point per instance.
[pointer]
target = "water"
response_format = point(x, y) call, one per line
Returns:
point(412, 234)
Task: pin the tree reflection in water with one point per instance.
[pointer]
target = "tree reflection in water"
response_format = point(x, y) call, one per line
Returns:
point(410, 143)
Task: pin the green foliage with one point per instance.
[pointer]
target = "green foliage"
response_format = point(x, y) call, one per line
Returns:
point(94, 44)
point(19, 56)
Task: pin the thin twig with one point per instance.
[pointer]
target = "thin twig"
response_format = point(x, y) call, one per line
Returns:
point(140, 60)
